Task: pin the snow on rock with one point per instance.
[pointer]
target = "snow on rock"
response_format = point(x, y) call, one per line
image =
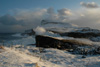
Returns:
point(29, 56)
point(71, 30)
point(66, 29)
point(12, 58)
point(22, 52)
point(76, 45)
point(43, 31)
point(58, 26)
point(47, 27)
point(87, 30)
point(92, 34)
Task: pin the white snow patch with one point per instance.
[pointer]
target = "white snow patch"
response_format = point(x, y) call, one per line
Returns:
point(28, 56)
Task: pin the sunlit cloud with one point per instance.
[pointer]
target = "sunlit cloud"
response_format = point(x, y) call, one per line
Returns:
point(64, 12)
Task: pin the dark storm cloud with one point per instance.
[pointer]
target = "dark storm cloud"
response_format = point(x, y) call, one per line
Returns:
point(22, 20)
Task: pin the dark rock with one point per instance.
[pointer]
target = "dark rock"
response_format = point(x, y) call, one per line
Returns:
point(47, 42)
point(83, 56)
point(73, 46)
point(83, 33)
point(71, 50)
point(52, 42)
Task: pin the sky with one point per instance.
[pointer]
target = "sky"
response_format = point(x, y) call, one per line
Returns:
point(20, 15)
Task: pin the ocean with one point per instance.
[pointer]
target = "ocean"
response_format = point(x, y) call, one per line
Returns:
point(5, 37)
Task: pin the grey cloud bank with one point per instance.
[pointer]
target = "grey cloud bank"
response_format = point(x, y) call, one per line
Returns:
point(26, 19)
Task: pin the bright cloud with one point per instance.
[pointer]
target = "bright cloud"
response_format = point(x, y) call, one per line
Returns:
point(64, 12)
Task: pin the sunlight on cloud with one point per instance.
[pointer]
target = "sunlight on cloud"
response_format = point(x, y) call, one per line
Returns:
point(64, 11)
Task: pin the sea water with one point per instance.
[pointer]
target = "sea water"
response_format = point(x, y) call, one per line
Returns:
point(5, 37)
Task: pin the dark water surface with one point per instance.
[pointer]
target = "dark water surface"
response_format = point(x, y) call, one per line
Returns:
point(4, 37)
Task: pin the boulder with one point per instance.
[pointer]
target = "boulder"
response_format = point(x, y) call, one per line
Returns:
point(72, 45)
point(47, 42)
point(52, 42)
